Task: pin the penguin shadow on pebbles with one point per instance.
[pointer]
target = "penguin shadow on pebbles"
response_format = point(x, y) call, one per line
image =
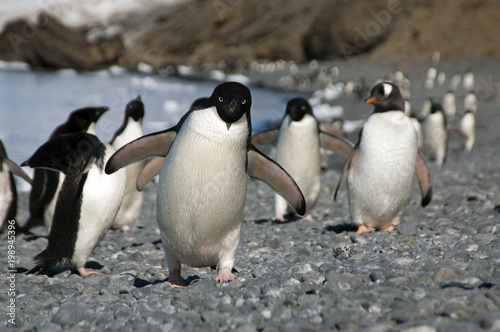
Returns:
point(207, 154)
point(87, 203)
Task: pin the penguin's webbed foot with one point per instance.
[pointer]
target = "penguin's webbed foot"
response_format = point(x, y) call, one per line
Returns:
point(175, 279)
point(308, 217)
point(278, 218)
point(225, 274)
point(362, 229)
point(86, 273)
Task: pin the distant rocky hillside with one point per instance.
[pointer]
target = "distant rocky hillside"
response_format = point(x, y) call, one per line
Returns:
point(210, 31)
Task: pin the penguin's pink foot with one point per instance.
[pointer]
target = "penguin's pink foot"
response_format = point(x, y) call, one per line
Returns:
point(278, 218)
point(85, 273)
point(175, 279)
point(225, 275)
point(308, 217)
point(126, 228)
point(362, 229)
point(389, 228)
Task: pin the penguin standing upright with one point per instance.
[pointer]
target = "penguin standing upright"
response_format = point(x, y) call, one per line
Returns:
point(467, 127)
point(87, 203)
point(449, 105)
point(435, 135)
point(130, 129)
point(46, 183)
point(298, 151)
point(8, 191)
point(203, 182)
point(381, 168)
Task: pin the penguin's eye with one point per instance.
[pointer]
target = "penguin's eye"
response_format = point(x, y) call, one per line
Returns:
point(243, 102)
point(221, 99)
point(303, 108)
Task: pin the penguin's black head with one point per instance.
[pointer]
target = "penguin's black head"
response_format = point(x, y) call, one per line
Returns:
point(436, 107)
point(135, 109)
point(232, 100)
point(83, 117)
point(386, 97)
point(296, 108)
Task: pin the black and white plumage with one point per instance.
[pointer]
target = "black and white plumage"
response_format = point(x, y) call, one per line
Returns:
point(130, 130)
point(435, 135)
point(46, 183)
point(87, 202)
point(8, 190)
point(298, 140)
point(203, 182)
point(381, 168)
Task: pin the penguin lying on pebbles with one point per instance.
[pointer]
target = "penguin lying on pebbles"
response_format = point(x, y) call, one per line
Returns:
point(203, 182)
point(87, 202)
point(8, 191)
point(382, 165)
point(298, 150)
point(130, 129)
point(46, 183)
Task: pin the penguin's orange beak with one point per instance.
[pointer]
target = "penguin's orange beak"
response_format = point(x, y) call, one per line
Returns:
point(371, 100)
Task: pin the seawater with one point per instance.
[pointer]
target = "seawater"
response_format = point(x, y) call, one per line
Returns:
point(34, 103)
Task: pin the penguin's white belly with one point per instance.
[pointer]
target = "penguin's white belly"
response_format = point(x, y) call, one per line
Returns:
point(48, 215)
point(132, 201)
point(435, 137)
point(5, 194)
point(380, 179)
point(102, 196)
point(202, 190)
point(298, 152)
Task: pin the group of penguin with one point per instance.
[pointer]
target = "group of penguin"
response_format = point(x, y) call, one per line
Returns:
point(83, 186)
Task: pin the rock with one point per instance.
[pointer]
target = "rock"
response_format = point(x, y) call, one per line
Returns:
point(49, 44)
point(70, 314)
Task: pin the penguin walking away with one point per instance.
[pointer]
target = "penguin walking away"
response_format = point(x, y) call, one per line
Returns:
point(46, 183)
point(203, 182)
point(87, 203)
point(130, 129)
point(8, 191)
point(381, 168)
point(435, 135)
point(298, 150)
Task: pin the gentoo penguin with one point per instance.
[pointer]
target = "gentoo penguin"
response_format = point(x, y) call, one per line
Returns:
point(468, 81)
point(299, 141)
point(383, 163)
point(130, 129)
point(449, 105)
point(203, 182)
point(467, 127)
point(87, 203)
point(470, 102)
point(435, 135)
point(46, 183)
point(8, 191)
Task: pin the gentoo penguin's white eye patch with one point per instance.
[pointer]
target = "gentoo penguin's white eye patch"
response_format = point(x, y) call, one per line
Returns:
point(243, 102)
point(221, 99)
point(387, 89)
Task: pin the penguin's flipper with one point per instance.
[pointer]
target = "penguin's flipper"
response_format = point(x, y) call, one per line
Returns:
point(335, 143)
point(266, 137)
point(347, 164)
point(150, 170)
point(152, 145)
point(424, 180)
point(331, 129)
point(266, 170)
point(16, 170)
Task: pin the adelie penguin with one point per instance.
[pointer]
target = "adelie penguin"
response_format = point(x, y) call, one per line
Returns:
point(381, 168)
point(8, 190)
point(130, 130)
point(87, 203)
point(299, 139)
point(203, 182)
point(46, 183)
